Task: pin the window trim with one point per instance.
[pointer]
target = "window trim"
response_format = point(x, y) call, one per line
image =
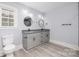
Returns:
point(15, 16)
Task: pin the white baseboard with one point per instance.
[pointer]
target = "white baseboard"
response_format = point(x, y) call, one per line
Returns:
point(65, 44)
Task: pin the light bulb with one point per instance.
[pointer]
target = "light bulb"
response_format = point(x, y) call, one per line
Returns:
point(42, 17)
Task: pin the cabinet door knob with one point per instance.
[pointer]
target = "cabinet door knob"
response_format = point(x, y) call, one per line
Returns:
point(33, 39)
point(47, 35)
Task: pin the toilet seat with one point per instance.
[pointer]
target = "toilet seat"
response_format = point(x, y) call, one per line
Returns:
point(9, 47)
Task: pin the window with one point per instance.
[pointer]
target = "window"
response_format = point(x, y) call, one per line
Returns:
point(7, 17)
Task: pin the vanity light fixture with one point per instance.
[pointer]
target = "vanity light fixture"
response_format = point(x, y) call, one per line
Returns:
point(41, 16)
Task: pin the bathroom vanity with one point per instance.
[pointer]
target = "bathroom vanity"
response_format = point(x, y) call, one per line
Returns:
point(33, 38)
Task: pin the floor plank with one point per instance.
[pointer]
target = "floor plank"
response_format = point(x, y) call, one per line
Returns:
point(47, 50)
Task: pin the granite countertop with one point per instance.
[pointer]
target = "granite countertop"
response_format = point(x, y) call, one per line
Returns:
point(35, 31)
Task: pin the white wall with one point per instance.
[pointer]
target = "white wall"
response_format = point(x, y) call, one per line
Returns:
point(64, 15)
point(20, 26)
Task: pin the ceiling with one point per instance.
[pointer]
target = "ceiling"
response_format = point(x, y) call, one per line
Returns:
point(45, 6)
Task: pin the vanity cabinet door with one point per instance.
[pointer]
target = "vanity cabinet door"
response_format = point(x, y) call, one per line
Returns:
point(25, 43)
point(30, 41)
point(37, 40)
point(42, 38)
point(45, 37)
point(33, 40)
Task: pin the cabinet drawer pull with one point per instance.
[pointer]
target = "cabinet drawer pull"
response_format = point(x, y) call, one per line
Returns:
point(25, 37)
point(33, 39)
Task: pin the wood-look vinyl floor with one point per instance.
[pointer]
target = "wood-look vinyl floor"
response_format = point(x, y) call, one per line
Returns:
point(47, 50)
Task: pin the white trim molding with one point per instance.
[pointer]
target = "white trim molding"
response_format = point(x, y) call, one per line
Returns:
point(6, 9)
point(65, 44)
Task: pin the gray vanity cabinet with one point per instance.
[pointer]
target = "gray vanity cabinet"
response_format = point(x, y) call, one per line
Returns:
point(34, 38)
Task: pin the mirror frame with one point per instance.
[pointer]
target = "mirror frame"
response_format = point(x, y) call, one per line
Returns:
point(28, 21)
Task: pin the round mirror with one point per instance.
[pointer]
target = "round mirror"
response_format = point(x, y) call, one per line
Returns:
point(27, 21)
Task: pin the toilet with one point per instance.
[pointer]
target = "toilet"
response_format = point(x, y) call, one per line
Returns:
point(8, 46)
